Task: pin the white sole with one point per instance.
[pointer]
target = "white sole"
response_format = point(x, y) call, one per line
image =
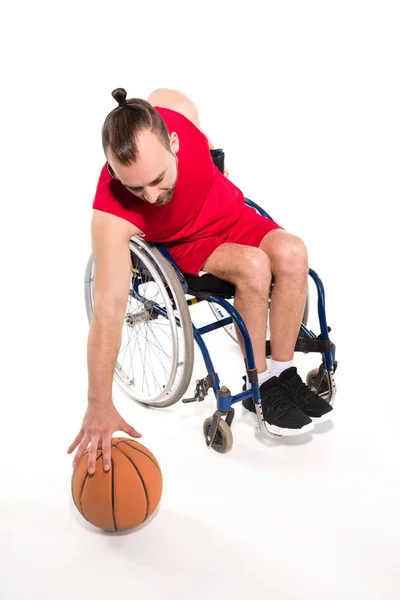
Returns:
point(289, 432)
point(326, 417)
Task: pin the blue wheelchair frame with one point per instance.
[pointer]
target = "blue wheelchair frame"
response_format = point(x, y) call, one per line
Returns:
point(225, 399)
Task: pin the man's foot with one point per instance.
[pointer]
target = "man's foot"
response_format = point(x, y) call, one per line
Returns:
point(315, 407)
point(281, 416)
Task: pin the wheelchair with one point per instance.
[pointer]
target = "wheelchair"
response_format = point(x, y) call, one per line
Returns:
point(155, 361)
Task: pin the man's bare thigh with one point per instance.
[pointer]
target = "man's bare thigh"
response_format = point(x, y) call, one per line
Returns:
point(231, 261)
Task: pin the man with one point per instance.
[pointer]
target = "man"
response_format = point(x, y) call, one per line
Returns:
point(160, 182)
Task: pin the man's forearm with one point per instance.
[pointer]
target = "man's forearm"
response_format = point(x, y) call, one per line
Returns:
point(104, 342)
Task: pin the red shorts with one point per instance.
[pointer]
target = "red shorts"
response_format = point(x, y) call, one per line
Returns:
point(249, 230)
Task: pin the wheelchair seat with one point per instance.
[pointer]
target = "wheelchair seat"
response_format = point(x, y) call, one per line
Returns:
point(209, 284)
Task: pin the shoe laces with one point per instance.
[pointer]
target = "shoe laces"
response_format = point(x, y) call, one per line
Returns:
point(275, 398)
point(296, 387)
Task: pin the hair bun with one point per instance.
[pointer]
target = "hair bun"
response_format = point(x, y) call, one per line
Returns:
point(120, 96)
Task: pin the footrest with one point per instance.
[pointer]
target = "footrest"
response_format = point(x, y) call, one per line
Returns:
point(306, 345)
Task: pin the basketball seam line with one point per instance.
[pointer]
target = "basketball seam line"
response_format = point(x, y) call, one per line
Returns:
point(113, 495)
point(141, 479)
point(138, 450)
point(81, 492)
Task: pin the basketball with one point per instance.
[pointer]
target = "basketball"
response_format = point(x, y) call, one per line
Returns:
point(126, 495)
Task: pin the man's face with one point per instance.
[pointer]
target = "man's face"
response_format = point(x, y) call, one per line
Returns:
point(153, 177)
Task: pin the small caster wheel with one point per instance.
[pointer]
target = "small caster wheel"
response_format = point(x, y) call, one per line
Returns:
point(310, 381)
point(223, 439)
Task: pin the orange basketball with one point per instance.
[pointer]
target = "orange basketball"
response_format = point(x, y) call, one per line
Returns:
point(126, 495)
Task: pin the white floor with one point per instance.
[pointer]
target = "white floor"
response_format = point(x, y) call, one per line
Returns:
point(309, 518)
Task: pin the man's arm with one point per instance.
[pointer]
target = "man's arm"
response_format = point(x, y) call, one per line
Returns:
point(175, 100)
point(112, 261)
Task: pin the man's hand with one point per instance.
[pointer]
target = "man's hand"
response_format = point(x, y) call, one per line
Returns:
point(99, 424)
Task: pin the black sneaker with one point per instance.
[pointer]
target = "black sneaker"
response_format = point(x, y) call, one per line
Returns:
point(281, 416)
point(315, 407)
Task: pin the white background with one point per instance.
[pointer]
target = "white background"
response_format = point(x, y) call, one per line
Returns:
point(304, 99)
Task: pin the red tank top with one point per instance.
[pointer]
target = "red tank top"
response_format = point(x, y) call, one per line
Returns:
point(204, 202)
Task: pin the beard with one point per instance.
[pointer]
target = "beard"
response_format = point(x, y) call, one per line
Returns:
point(167, 194)
point(165, 197)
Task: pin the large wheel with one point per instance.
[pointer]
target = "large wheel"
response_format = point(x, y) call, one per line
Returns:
point(155, 361)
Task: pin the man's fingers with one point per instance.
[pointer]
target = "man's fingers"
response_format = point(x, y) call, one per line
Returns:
point(106, 446)
point(76, 441)
point(81, 449)
point(94, 442)
point(131, 431)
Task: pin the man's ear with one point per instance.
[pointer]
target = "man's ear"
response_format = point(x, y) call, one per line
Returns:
point(110, 171)
point(174, 142)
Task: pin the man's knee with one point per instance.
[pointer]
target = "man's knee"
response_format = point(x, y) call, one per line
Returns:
point(253, 268)
point(289, 255)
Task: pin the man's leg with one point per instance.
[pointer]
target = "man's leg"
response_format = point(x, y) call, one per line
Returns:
point(249, 271)
point(289, 265)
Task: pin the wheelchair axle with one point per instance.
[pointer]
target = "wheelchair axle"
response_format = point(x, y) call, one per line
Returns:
point(147, 314)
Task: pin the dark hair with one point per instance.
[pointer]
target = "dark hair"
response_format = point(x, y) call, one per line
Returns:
point(123, 125)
